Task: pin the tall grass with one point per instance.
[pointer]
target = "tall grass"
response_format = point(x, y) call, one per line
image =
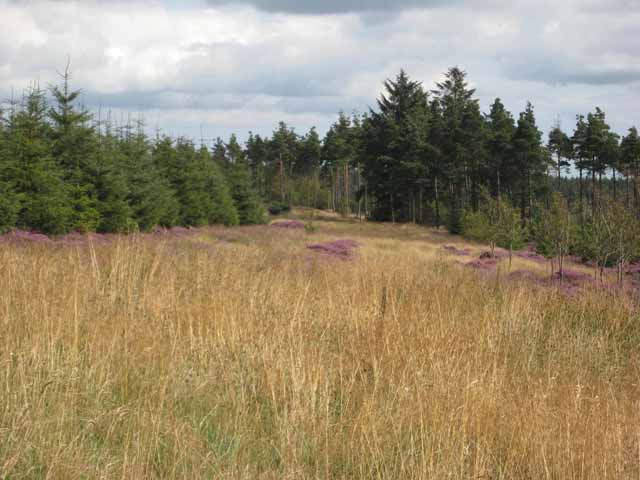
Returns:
point(149, 358)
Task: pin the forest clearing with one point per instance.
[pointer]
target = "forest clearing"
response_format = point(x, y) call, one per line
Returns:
point(339, 350)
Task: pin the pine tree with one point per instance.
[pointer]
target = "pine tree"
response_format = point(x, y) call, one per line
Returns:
point(500, 165)
point(74, 149)
point(37, 179)
point(221, 209)
point(111, 187)
point(530, 159)
point(245, 198)
point(220, 153)
point(630, 160)
point(456, 107)
point(283, 157)
point(596, 146)
point(9, 200)
point(151, 197)
point(560, 146)
point(339, 155)
point(395, 149)
point(257, 153)
point(580, 154)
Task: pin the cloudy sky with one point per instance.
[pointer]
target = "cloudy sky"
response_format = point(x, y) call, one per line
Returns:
point(222, 66)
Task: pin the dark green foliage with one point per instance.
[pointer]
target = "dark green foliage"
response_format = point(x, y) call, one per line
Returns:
point(419, 156)
point(150, 195)
point(9, 199)
point(395, 149)
point(530, 161)
point(220, 205)
point(36, 177)
point(500, 169)
point(339, 156)
point(276, 208)
point(245, 198)
point(560, 146)
point(74, 149)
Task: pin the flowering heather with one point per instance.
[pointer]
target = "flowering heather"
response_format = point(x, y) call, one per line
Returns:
point(497, 254)
point(573, 277)
point(176, 232)
point(461, 252)
point(342, 249)
point(525, 276)
point(22, 236)
point(483, 265)
point(79, 239)
point(293, 224)
point(530, 255)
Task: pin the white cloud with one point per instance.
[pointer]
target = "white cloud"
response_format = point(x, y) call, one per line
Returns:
point(238, 68)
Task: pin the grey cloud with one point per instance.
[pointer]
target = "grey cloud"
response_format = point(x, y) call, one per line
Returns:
point(333, 6)
point(173, 100)
point(304, 69)
point(566, 71)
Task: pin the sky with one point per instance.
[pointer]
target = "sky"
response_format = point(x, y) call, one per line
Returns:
point(208, 68)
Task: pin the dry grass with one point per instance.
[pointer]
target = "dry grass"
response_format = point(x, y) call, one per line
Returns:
point(251, 358)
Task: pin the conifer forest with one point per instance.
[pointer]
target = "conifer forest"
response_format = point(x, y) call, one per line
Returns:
point(422, 155)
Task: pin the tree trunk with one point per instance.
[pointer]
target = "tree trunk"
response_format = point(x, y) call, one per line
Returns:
point(437, 203)
point(393, 212)
point(281, 179)
point(593, 188)
point(581, 195)
point(626, 184)
point(347, 189)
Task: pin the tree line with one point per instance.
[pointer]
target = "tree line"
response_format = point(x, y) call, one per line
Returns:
point(425, 156)
point(62, 170)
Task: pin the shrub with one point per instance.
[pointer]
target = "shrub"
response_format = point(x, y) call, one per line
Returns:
point(278, 208)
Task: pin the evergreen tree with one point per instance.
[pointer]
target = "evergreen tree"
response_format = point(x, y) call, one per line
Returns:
point(245, 198)
point(595, 148)
point(395, 149)
point(560, 146)
point(9, 200)
point(310, 152)
point(74, 149)
point(283, 157)
point(630, 161)
point(257, 153)
point(111, 187)
point(220, 153)
point(531, 161)
point(580, 154)
point(500, 131)
point(339, 155)
point(457, 108)
point(37, 179)
point(150, 197)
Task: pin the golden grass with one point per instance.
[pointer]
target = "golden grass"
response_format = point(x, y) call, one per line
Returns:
point(253, 359)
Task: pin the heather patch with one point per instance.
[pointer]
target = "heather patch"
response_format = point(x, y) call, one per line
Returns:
point(524, 276)
point(23, 236)
point(292, 224)
point(461, 252)
point(530, 255)
point(497, 254)
point(483, 264)
point(81, 239)
point(341, 249)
